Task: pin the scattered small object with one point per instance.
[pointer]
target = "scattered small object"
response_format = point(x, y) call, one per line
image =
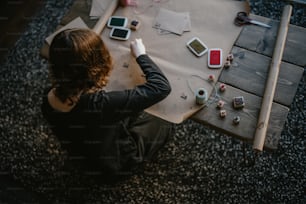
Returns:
point(135, 24)
point(222, 113)
point(236, 120)
point(197, 47)
point(220, 104)
point(230, 57)
point(125, 65)
point(211, 77)
point(238, 102)
point(222, 87)
point(183, 96)
point(242, 18)
point(227, 64)
point(201, 96)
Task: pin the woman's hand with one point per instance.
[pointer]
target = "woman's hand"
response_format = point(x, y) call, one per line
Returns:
point(138, 48)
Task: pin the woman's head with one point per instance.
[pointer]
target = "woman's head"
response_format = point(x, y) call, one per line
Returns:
point(79, 61)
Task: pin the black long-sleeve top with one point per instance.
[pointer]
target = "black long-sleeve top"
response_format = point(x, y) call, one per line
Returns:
point(97, 126)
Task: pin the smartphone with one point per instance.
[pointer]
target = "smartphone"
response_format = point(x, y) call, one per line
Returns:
point(120, 33)
point(117, 21)
point(197, 47)
point(215, 58)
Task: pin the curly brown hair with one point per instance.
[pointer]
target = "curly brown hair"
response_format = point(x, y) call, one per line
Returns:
point(79, 62)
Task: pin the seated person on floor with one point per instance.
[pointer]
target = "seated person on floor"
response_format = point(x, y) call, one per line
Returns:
point(110, 129)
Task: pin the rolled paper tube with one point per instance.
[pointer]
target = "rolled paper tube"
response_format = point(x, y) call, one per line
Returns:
point(267, 100)
point(104, 18)
point(201, 96)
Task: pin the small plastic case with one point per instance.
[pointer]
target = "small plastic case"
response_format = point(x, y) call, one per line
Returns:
point(215, 58)
point(197, 47)
point(117, 21)
point(120, 33)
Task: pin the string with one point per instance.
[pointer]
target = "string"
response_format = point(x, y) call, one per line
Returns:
point(211, 100)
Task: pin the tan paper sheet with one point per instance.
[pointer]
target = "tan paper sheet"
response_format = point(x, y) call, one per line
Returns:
point(76, 23)
point(211, 21)
point(172, 21)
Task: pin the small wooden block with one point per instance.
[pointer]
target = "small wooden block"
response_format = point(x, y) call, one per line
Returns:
point(135, 24)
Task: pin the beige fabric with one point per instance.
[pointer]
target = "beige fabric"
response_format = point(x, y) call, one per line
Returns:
point(211, 21)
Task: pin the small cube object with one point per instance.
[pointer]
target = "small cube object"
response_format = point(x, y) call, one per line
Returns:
point(227, 64)
point(134, 25)
point(222, 87)
point(183, 96)
point(230, 57)
point(236, 120)
point(238, 102)
point(220, 104)
point(211, 77)
point(222, 113)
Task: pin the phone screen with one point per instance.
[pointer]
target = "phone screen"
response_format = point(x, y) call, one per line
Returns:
point(197, 46)
point(118, 22)
point(120, 33)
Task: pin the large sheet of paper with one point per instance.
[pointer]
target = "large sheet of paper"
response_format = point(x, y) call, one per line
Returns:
point(211, 21)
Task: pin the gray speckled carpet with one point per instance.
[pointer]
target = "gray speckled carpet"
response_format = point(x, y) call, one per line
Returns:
point(198, 165)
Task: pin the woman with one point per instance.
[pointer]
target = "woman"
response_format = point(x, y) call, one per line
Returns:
point(108, 128)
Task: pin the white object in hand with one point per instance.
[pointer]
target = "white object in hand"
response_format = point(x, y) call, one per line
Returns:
point(138, 48)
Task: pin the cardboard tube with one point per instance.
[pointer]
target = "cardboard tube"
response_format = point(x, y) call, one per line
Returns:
point(266, 106)
point(104, 18)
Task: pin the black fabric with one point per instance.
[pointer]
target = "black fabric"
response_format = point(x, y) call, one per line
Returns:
point(110, 128)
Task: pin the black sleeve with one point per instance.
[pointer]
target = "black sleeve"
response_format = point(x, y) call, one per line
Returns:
point(155, 89)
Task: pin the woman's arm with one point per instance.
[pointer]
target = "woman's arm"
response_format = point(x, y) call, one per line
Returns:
point(121, 103)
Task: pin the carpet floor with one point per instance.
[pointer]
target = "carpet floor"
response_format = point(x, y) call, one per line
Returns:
point(197, 165)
